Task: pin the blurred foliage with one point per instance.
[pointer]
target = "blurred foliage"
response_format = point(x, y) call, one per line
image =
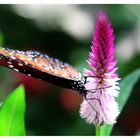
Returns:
point(1, 40)
point(46, 114)
point(12, 113)
point(127, 84)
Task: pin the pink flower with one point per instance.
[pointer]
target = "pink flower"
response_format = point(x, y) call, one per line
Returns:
point(101, 106)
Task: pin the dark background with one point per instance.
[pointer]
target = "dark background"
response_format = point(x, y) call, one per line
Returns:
point(64, 32)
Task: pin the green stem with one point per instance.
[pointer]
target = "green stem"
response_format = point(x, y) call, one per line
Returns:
point(98, 130)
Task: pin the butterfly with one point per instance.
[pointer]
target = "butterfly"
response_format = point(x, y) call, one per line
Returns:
point(46, 68)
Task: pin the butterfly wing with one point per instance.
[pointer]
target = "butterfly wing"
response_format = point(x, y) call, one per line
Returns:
point(40, 66)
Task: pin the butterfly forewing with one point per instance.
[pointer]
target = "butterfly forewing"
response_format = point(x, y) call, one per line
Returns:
point(39, 65)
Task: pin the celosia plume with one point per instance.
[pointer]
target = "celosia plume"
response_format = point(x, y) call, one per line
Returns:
point(102, 76)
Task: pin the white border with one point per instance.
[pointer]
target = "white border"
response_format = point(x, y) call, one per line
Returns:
point(71, 138)
point(69, 2)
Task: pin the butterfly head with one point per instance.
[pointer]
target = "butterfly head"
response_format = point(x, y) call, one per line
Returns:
point(85, 86)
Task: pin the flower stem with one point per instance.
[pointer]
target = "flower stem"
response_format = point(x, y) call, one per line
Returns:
point(98, 130)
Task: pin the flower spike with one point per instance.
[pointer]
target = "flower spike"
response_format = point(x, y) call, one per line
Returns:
point(102, 76)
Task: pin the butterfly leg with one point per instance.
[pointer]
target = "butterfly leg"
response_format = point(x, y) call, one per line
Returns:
point(93, 99)
point(97, 113)
point(84, 95)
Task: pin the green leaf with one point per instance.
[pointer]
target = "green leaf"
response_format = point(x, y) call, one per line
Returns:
point(12, 113)
point(1, 39)
point(126, 87)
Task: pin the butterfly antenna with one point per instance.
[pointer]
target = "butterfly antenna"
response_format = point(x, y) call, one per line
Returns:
point(93, 108)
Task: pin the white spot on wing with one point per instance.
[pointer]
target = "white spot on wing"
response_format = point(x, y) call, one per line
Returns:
point(10, 66)
point(9, 62)
point(13, 57)
point(20, 64)
point(36, 60)
point(16, 70)
point(21, 58)
point(26, 63)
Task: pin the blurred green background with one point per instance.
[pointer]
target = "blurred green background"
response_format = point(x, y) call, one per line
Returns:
point(64, 32)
